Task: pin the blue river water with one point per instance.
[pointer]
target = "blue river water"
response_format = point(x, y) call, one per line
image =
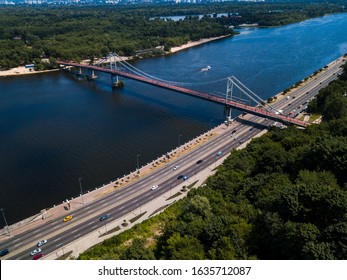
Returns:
point(55, 129)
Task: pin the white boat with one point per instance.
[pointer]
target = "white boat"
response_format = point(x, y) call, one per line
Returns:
point(205, 69)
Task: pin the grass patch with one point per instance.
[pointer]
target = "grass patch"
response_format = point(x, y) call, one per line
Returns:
point(160, 209)
point(175, 195)
point(314, 117)
point(192, 185)
point(137, 217)
point(65, 256)
point(117, 228)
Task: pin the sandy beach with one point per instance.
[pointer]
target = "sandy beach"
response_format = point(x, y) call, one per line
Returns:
point(21, 70)
point(196, 43)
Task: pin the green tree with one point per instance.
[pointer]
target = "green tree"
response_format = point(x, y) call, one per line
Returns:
point(183, 248)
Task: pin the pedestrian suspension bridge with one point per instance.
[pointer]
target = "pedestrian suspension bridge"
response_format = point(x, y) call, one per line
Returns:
point(117, 67)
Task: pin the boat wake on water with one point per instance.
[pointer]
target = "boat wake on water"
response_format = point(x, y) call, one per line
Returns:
point(207, 68)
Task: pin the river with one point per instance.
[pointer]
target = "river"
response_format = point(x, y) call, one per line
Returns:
point(56, 129)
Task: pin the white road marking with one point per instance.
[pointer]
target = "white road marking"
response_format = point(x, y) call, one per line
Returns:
point(17, 245)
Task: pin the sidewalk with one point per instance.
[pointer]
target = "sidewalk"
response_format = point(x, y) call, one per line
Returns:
point(63, 209)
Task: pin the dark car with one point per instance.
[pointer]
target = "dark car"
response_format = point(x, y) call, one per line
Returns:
point(104, 217)
point(180, 177)
point(199, 161)
point(4, 252)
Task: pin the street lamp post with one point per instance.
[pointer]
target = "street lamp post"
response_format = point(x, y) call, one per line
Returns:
point(3, 214)
point(179, 143)
point(80, 179)
point(105, 226)
point(137, 163)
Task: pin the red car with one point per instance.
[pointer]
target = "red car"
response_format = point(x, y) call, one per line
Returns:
point(38, 256)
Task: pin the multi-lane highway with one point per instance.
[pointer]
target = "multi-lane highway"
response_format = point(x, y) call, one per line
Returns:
point(128, 198)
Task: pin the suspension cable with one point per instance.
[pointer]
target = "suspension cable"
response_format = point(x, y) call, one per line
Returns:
point(139, 72)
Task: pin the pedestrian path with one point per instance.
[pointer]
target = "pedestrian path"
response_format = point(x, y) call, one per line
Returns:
point(64, 208)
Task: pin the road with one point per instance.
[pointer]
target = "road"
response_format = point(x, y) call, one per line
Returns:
point(131, 197)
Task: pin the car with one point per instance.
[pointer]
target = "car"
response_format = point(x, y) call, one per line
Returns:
point(219, 153)
point(42, 242)
point(36, 251)
point(241, 141)
point(233, 133)
point(67, 218)
point(154, 187)
point(185, 178)
point(38, 256)
point(180, 177)
point(251, 129)
point(175, 167)
point(199, 161)
point(103, 217)
point(4, 252)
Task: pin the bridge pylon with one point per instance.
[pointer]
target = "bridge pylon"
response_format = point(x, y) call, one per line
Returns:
point(228, 97)
point(91, 75)
point(115, 82)
point(227, 114)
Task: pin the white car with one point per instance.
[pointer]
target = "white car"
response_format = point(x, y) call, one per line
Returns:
point(36, 251)
point(42, 242)
point(154, 187)
point(176, 167)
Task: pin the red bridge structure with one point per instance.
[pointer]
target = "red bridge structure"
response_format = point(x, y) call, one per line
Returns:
point(262, 109)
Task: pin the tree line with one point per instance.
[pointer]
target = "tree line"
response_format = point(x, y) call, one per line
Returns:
point(282, 197)
point(30, 34)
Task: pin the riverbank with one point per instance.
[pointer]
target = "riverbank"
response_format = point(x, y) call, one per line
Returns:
point(191, 44)
point(21, 70)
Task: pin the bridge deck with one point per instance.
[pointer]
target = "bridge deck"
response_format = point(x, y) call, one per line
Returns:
point(242, 107)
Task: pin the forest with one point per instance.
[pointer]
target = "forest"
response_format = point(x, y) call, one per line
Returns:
point(283, 197)
point(43, 34)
